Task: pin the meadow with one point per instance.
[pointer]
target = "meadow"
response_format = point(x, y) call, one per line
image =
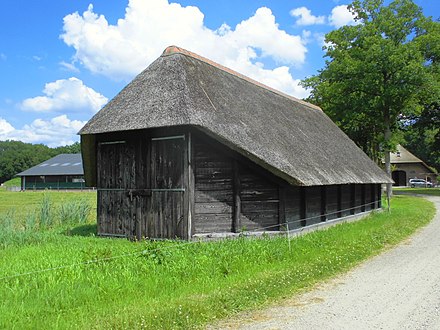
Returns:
point(418, 191)
point(58, 275)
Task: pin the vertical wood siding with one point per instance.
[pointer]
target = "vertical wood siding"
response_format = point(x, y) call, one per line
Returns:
point(213, 190)
point(332, 202)
point(259, 201)
point(149, 187)
point(293, 207)
point(116, 168)
point(313, 205)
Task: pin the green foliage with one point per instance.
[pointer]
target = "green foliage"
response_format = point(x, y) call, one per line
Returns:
point(422, 135)
point(113, 283)
point(377, 72)
point(16, 156)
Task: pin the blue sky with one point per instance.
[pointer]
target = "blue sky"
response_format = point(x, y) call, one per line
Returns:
point(61, 61)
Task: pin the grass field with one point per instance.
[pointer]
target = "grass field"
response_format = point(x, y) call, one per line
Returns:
point(419, 191)
point(15, 182)
point(63, 277)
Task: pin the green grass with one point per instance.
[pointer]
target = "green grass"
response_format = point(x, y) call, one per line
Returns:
point(15, 182)
point(420, 191)
point(24, 202)
point(179, 285)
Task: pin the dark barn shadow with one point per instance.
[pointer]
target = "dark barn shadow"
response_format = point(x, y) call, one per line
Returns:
point(83, 230)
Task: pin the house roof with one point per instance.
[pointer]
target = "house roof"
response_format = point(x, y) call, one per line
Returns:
point(291, 138)
point(403, 156)
point(63, 164)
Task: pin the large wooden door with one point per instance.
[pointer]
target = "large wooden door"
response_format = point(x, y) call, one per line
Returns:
point(168, 187)
point(116, 176)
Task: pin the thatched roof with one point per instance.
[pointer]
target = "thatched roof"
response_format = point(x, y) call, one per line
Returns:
point(293, 139)
point(403, 156)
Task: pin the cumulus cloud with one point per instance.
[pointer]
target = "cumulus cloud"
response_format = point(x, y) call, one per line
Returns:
point(54, 132)
point(66, 95)
point(5, 127)
point(122, 50)
point(305, 16)
point(341, 16)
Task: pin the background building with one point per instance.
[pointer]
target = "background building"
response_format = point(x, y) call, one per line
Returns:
point(407, 166)
point(64, 171)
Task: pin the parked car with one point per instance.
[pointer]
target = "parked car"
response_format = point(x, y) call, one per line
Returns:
point(420, 183)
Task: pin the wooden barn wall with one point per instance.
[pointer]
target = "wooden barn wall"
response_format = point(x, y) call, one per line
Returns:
point(230, 195)
point(259, 201)
point(332, 202)
point(313, 205)
point(141, 184)
point(293, 206)
point(213, 190)
point(116, 168)
point(346, 200)
point(150, 187)
point(368, 197)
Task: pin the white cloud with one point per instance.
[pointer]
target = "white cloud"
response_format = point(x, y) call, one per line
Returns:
point(69, 66)
point(305, 16)
point(5, 127)
point(67, 95)
point(57, 131)
point(341, 16)
point(122, 50)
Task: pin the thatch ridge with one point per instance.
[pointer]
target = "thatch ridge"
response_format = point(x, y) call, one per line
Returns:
point(171, 50)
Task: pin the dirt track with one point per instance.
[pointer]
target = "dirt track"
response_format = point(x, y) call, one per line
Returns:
point(400, 289)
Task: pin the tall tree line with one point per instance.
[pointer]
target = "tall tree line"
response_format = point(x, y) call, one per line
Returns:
point(381, 76)
point(16, 156)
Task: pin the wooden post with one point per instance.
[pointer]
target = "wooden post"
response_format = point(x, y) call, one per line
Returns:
point(379, 196)
point(303, 207)
point(339, 201)
point(323, 203)
point(281, 207)
point(363, 199)
point(236, 221)
point(352, 199)
point(191, 186)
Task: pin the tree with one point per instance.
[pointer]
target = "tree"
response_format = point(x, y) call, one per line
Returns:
point(422, 137)
point(375, 73)
point(17, 156)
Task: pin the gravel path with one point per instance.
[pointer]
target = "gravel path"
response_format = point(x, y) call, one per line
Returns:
point(400, 289)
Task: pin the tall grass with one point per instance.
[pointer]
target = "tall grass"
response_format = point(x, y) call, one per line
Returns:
point(47, 216)
point(18, 228)
point(74, 212)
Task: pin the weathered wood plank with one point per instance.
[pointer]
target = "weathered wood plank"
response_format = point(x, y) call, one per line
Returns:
point(207, 208)
point(236, 215)
point(332, 202)
point(203, 196)
point(249, 194)
point(345, 200)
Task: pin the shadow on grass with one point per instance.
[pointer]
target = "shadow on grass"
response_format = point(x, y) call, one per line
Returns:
point(84, 230)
